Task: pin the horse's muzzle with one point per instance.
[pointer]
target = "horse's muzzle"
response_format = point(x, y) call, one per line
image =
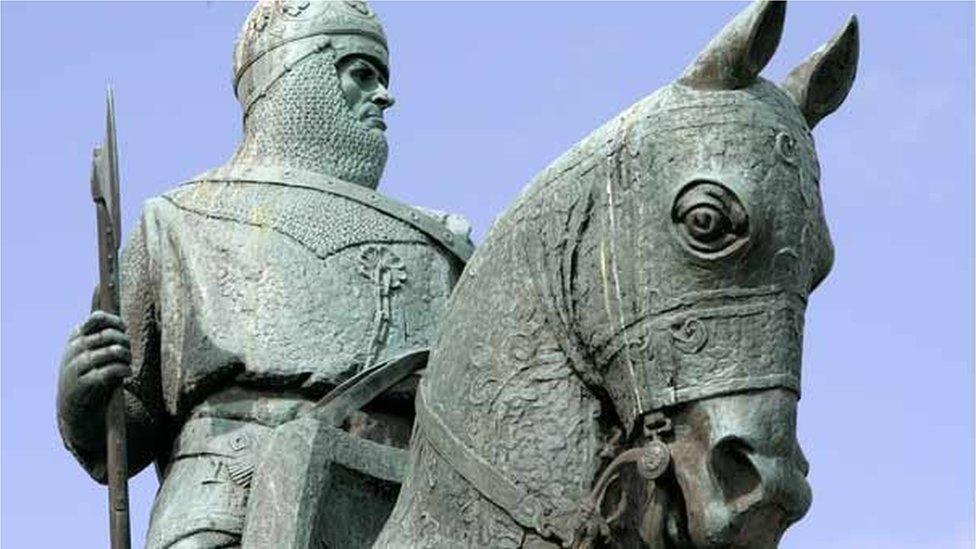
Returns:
point(740, 470)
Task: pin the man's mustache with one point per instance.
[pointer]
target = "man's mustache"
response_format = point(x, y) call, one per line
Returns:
point(370, 110)
point(371, 115)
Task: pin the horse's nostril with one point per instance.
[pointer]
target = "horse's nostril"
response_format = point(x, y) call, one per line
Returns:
point(733, 469)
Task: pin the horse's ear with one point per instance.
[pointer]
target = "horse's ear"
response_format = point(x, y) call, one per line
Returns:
point(820, 84)
point(739, 51)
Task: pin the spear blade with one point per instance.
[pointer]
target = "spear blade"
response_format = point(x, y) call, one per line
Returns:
point(105, 194)
point(105, 179)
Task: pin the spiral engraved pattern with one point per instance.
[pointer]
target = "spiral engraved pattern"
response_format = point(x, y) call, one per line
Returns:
point(690, 337)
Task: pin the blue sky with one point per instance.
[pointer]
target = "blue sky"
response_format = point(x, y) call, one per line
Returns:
point(488, 94)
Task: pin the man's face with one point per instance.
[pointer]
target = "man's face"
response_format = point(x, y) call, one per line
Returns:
point(365, 90)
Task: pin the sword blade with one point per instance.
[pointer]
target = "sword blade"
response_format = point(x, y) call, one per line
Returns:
point(362, 388)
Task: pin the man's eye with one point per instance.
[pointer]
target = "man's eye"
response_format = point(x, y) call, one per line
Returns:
point(362, 73)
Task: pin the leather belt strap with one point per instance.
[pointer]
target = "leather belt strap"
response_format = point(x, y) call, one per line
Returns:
point(368, 457)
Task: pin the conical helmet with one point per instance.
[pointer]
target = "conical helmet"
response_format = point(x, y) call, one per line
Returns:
point(279, 33)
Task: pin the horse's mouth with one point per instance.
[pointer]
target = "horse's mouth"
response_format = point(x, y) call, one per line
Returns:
point(675, 520)
point(758, 528)
point(660, 523)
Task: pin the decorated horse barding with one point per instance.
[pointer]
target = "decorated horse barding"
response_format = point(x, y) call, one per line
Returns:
point(620, 362)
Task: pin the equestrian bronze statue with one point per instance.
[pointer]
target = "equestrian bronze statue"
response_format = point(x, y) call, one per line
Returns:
point(619, 364)
point(274, 310)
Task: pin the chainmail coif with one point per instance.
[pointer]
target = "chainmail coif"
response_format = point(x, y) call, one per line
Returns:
point(304, 122)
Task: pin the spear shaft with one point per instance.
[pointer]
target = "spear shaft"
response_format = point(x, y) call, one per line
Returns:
point(105, 194)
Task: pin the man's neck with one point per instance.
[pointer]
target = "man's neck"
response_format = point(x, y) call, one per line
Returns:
point(250, 153)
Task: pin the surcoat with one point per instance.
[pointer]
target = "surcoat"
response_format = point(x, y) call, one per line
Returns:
point(278, 279)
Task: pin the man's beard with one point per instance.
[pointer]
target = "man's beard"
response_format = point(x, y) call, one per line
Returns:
point(304, 122)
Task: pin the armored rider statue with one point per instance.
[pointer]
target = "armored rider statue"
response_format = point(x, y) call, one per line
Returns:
point(254, 289)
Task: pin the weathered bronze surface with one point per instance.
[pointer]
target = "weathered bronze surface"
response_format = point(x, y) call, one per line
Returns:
point(253, 290)
point(618, 364)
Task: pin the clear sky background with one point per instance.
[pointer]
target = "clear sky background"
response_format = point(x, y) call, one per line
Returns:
point(488, 94)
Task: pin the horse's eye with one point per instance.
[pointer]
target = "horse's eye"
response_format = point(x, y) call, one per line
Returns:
point(709, 219)
point(705, 223)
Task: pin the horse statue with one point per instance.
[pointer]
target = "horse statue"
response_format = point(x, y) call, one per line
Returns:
point(619, 364)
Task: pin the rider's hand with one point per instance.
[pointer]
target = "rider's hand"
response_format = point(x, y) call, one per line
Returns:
point(96, 361)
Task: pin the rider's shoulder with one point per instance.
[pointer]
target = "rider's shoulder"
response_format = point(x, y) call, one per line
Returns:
point(456, 223)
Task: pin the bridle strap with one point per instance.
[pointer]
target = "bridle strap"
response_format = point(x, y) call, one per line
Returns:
point(574, 525)
point(528, 510)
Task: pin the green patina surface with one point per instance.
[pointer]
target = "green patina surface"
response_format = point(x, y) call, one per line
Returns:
point(617, 365)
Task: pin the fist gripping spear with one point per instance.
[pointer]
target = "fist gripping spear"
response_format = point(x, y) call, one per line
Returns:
point(105, 194)
point(97, 357)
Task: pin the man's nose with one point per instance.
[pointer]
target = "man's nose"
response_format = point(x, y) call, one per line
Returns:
point(382, 97)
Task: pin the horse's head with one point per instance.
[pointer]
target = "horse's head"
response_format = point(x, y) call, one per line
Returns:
point(641, 302)
point(710, 236)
